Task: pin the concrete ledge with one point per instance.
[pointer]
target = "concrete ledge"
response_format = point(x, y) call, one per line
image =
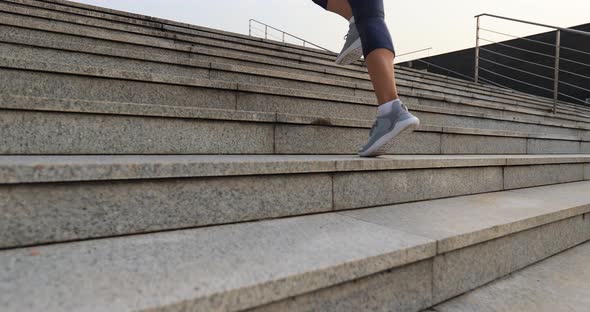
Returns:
point(458, 272)
point(528, 176)
point(408, 288)
point(328, 63)
point(159, 23)
point(559, 283)
point(41, 169)
point(139, 194)
point(484, 105)
point(250, 97)
point(46, 104)
point(332, 262)
point(205, 269)
point(413, 73)
point(278, 74)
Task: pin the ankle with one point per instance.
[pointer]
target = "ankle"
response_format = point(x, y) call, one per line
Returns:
point(388, 107)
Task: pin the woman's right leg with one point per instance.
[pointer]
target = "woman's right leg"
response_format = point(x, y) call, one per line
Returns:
point(392, 116)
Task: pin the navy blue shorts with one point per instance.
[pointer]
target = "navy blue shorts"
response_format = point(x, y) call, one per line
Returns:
point(369, 17)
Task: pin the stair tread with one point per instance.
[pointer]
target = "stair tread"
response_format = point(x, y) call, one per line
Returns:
point(36, 169)
point(547, 104)
point(245, 265)
point(560, 283)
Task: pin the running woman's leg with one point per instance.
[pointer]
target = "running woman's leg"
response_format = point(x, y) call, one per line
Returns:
point(393, 116)
point(352, 50)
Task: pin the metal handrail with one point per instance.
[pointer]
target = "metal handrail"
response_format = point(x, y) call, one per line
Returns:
point(557, 57)
point(283, 33)
point(414, 52)
point(579, 32)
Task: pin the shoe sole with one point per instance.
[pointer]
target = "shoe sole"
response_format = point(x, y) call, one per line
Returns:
point(352, 54)
point(382, 146)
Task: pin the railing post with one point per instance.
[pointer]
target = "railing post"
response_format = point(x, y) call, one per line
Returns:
point(250, 28)
point(556, 79)
point(283, 37)
point(476, 75)
point(265, 32)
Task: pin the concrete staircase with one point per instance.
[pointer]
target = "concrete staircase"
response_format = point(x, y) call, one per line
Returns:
point(152, 165)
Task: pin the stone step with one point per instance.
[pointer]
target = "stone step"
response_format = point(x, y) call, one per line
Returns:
point(20, 20)
point(38, 50)
point(158, 23)
point(84, 83)
point(49, 199)
point(560, 283)
point(44, 126)
point(171, 26)
point(396, 258)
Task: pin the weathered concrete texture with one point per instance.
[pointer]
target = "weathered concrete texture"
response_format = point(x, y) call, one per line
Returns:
point(536, 146)
point(464, 221)
point(63, 133)
point(293, 105)
point(281, 83)
point(403, 289)
point(39, 169)
point(476, 121)
point(41, 84)
point(292, 139)
point(33, 214)
point(585, 148)
point(587, 172)
point(319, 62)
point(560, 283)
point(466, 269)
point(47, 55)
point(224, 268)
point(527, 176)
point(356, 190)
point(296, 51)
point(469, 144)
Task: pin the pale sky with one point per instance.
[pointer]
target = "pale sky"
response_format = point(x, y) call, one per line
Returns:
point(442, 25)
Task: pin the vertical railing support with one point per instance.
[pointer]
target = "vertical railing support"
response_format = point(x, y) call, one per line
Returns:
point(476, 75)
point(265, 32)
point(250, 28)
point(556, 78)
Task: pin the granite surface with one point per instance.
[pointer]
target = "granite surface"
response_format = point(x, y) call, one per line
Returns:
point(408, 288)
point(225, 268)
point(43, 213)
point(559, 283)
point(366, 189)
point(528, 176)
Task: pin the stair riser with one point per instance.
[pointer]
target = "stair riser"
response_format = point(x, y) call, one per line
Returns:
point(408, 288)
point(483, 123)
point(423, 284)
point(442, 88)
point(466, 269)
point(202, 71)
point(54, 133)
point(178, 91)
point(116, 61)
point(97, 209)
point(137, 20)
point(36, 8)
point(98, 43)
